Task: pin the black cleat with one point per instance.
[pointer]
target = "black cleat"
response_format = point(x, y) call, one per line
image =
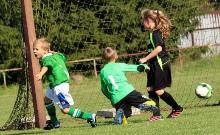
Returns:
point(50, 125)
point(175, 113)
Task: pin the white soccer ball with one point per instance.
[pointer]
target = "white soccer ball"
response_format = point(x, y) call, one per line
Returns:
point(204, 90)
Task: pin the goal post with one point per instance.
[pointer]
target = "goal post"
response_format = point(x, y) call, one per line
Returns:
point(36, 86)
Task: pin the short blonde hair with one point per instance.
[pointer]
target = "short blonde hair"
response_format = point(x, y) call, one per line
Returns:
point(109, 54)
point(161, 21)
point(45, 44)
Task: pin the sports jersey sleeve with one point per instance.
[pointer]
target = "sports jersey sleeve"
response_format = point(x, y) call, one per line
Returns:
point(46, 63)
point(157, 37)
point(128, 67)
point(133, 68)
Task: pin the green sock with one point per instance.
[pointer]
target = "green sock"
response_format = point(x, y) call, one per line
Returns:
point(76, 113)
point(51, 110)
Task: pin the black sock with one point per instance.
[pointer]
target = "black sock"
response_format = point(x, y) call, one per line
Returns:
point(166, 97)
point(154, 97)
point(51, 112)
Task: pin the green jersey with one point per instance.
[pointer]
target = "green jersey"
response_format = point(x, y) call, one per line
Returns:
point(57, 72)
point(114, 84)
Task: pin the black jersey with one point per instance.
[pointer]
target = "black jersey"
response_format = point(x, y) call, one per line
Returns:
point(156, 39)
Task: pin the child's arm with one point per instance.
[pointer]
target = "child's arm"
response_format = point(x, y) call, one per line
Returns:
point(154, 53)
point(41, 74)
point(134, 68)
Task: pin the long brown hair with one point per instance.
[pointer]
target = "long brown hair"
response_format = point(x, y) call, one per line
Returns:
point(162, 22)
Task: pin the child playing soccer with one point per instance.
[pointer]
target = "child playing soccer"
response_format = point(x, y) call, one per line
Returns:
point(53, 66)
point(122, 94)
point(159, 76)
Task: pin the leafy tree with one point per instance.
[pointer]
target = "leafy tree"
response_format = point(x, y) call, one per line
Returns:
point(10, 37)
point(81, 28)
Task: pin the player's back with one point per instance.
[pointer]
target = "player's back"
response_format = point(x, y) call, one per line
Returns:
point(114, 78)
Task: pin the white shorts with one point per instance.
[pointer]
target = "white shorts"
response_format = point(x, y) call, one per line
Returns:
point(54, 95)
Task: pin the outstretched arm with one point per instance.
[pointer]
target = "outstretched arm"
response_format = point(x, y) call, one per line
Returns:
point(42, 72)
point(134, 68)
point(154, 53)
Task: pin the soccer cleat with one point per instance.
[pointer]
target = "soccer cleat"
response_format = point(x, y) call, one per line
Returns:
point(119, 117)
point(50, 125)
point(150, 106)
point(175, 113)
point(155, 118)
point(92, 120)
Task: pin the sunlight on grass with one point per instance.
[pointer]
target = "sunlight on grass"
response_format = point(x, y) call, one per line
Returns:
point(88, 97)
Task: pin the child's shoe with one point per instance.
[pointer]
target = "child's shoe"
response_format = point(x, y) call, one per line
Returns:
point(119, 117)
point(92, 120)
point(50, 125)
point(155, 118)
point(175, 113)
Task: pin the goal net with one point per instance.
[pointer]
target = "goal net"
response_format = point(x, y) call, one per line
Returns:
point(82, 28)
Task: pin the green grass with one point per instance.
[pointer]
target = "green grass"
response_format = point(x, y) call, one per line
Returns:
point(196, 121)
point(87, 96)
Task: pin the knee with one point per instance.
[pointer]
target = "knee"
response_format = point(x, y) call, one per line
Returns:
point(159, 92)
point(149, 89)
point(47, 100)
point(65, 111)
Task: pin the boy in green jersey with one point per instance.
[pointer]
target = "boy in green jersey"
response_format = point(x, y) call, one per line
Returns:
point(54, 68)
point(115, 87)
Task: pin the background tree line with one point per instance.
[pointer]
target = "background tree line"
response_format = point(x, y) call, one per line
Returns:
point(81, 28)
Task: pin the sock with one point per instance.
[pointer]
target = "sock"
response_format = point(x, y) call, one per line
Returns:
point(51, 110)
point(166, 97)
point(154, 97)
point(76, 113)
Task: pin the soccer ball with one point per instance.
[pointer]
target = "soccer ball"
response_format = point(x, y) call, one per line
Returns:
point(203, 90)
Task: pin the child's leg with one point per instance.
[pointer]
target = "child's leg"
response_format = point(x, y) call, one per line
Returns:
point(53, 123)
point(153, 96)
point(142, 102)
point(65, 101)
point(166, 97)
point(51, 110)
point(122, 113)
point(77, 113)
point(120, 117)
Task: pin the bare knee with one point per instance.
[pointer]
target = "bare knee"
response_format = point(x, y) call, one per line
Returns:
point(65, 111)
point(149, 89)
point(159, 92)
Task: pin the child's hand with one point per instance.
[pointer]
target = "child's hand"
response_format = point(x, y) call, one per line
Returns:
point(38, 76)
point(143, 60)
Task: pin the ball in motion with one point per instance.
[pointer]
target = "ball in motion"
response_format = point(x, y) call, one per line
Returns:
point(203, 90)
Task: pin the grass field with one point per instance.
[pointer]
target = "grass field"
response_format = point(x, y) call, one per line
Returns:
point(87, 96)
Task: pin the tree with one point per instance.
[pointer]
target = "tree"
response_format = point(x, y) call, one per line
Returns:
point(81, 28)
point(10, 37)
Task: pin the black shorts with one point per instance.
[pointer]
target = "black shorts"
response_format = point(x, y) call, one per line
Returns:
point(134, 98)
point(158, 78)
